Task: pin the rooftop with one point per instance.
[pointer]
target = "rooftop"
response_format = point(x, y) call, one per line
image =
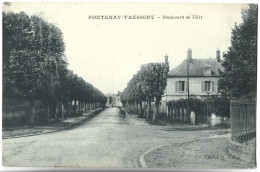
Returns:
point(196, 67)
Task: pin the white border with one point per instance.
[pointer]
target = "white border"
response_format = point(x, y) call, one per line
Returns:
point(126, 169)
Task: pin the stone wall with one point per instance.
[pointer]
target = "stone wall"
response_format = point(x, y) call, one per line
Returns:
point(243, 152)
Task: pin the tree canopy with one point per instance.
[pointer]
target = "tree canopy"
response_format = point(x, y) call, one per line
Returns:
point(35, 65)
point(240, 62)
point(149, 82)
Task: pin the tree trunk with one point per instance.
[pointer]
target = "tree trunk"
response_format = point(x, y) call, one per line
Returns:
point(181, 114)
point(148, 112)
point(48, 111)
point(148, 109)
point(157, 101)
point(175, 114)
point(71, 108)
point(33, 114)
point(62, 110)
point(75, 108)
point(56, 110)
point(141, 108)
point(169, 112)
point(188, 115)
point(79, 107)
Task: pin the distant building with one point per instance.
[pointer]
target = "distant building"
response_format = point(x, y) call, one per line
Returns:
point(113, 101)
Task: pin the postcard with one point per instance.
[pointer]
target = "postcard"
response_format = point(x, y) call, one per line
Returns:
point(129, 85)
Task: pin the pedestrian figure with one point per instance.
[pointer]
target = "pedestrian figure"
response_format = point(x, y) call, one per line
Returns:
point(192, 118)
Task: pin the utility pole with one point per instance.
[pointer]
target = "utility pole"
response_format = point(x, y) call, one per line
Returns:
point(188, 78)
point(189, 56)
point(140, 95)
point(167, 66)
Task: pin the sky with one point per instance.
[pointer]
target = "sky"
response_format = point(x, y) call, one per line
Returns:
point(107, 52)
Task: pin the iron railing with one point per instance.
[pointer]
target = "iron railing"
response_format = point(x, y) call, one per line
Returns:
point(243, 120)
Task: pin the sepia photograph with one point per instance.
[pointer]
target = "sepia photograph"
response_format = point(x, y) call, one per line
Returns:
point(129, 85)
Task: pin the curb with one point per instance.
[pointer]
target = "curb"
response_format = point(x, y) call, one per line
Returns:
point(142, 161)
point(243, 152)
point(71, 126)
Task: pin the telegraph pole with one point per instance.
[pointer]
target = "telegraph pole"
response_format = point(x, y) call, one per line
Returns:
point(167, 68)
point(188, 78)
point(189, 56)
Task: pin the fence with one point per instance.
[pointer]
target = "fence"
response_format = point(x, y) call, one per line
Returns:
point(243, 120)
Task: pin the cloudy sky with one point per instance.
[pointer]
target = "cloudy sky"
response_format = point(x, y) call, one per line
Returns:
point(107, 53)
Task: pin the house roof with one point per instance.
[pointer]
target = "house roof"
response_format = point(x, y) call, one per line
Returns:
point(196, 68)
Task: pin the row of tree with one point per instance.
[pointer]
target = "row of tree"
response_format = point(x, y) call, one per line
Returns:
point(35, 66)
point(149, 83)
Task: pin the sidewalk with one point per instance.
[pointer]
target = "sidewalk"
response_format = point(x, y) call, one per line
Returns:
point(65, 124)
point(202, 153)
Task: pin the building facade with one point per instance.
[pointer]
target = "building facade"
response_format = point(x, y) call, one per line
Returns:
point(113, 101)
point(194, 77)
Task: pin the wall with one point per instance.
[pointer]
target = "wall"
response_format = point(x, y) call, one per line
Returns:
point(17, 110)
point(194, 87)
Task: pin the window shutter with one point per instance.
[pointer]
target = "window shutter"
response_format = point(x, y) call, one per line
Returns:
point(176, 86)
point(202, 86)
point(186, 86)
point(213, 86)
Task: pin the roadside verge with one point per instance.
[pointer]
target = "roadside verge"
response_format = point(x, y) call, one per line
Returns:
point(206, 152)
point(66, 124)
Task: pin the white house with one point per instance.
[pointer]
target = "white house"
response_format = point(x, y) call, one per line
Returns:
point(198, 77)
point(113, 100)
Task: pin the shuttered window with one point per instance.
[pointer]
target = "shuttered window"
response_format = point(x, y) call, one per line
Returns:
point(203, 86)
point(176, 86)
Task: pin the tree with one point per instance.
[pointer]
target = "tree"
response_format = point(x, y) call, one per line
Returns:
point(33, 57)
point(17, 34)
point(240, 61)
point(35, 66)
point(49, 44)
point(149, 82)
point(155, 81)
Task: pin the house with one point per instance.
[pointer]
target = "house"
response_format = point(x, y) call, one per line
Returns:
point(113, 101)
point(193, 77)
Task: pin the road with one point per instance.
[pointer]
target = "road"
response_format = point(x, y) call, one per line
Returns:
point(107, 140)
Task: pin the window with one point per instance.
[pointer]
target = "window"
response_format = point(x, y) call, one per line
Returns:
point(181, 85)
point(207, 85)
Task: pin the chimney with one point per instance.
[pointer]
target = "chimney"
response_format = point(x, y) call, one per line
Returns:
point(218, 55)
point(166, 60)
point(189, 54)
